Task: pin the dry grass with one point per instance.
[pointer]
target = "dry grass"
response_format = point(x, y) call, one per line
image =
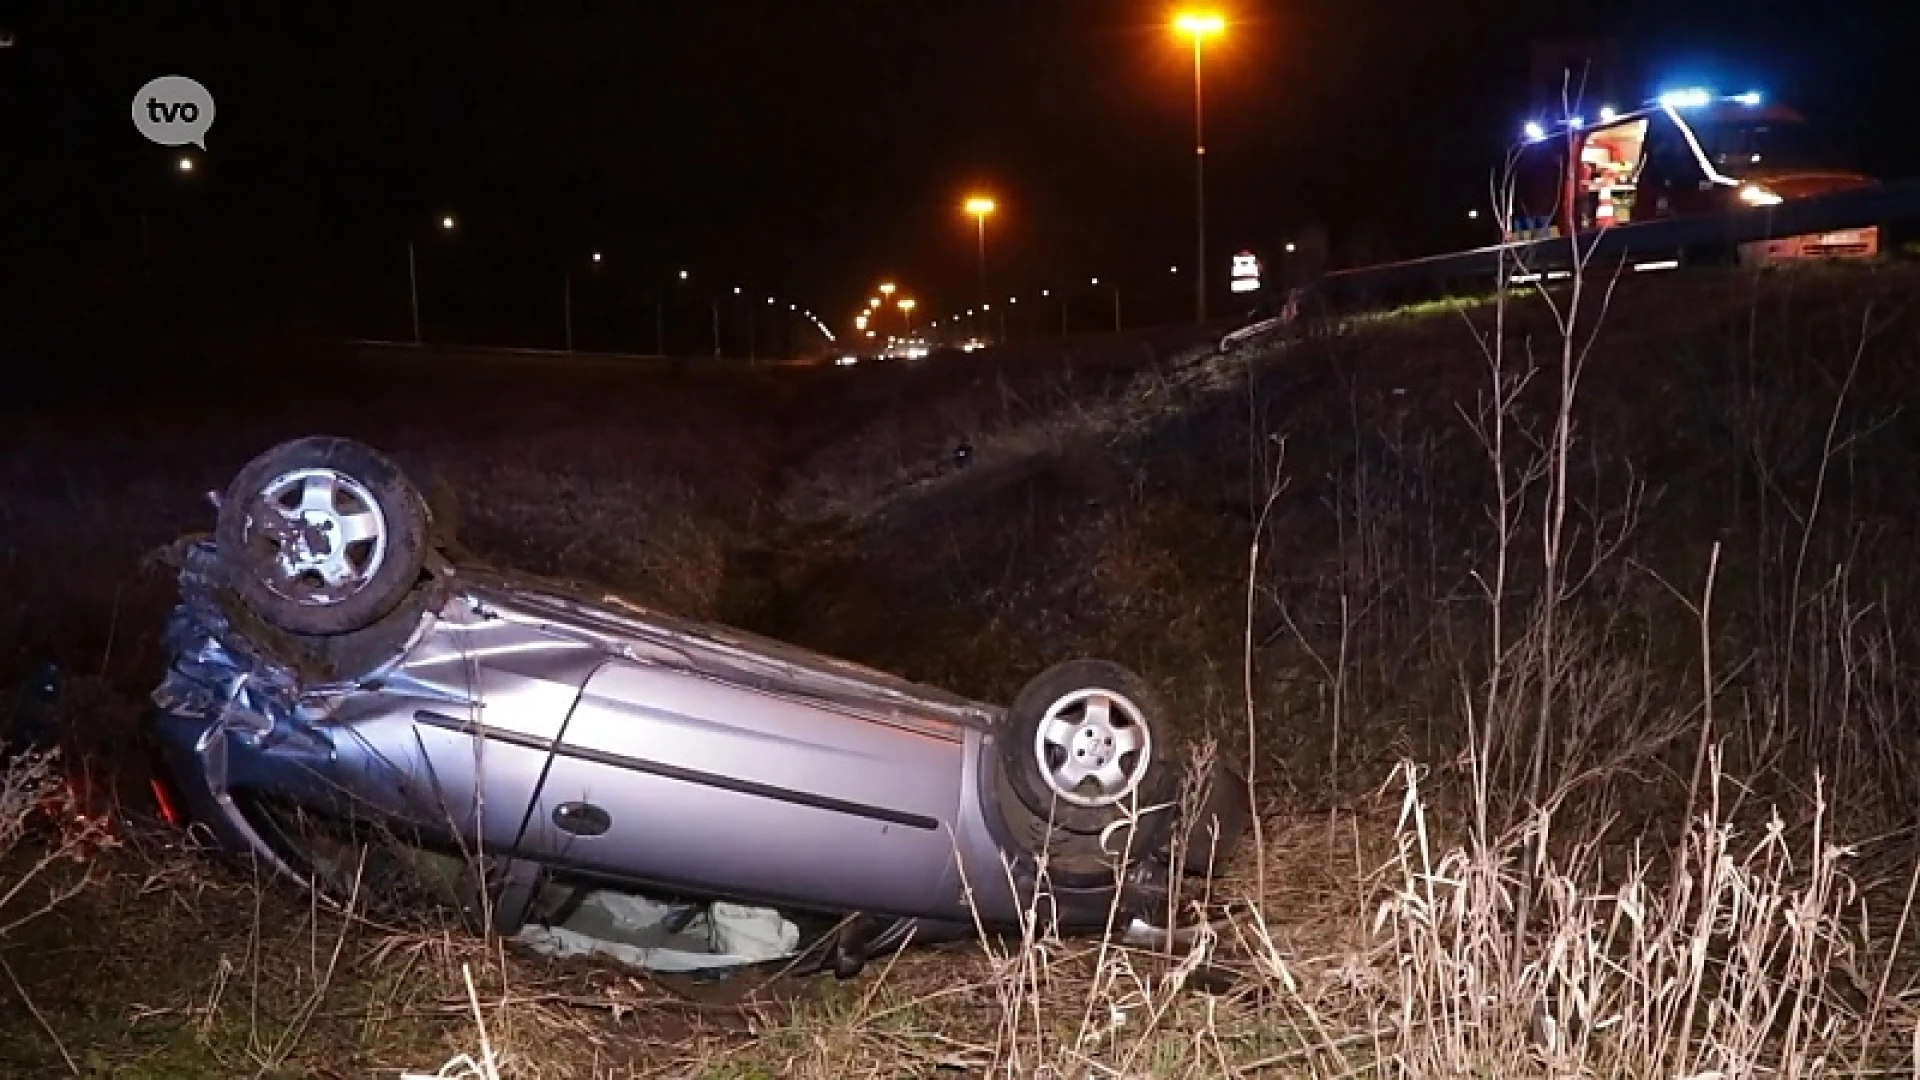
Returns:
point(1382, 951)
point(1745, 955)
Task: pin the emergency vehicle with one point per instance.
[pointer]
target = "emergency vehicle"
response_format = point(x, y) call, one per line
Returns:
point(1689, 152)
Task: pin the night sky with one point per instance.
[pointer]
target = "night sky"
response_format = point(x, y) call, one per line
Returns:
point(805, 150)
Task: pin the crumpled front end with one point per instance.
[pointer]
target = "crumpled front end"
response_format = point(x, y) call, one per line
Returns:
point(233, 720)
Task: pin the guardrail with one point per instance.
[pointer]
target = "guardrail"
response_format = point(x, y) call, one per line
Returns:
point(1672, 238)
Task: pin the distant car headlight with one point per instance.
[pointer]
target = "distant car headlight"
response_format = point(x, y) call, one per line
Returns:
point(1755, 195)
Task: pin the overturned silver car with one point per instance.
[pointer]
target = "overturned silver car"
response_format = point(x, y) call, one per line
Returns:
point(333, 675)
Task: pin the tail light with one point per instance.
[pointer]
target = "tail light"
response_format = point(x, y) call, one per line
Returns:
point(164, 800)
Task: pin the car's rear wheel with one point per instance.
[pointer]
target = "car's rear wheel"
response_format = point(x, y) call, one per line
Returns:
point(324, 535)
point(1083, 773)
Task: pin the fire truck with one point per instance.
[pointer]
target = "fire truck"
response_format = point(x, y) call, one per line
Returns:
point(1688, 152)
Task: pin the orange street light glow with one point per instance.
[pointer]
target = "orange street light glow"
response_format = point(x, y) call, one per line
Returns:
point(906, 303)
point(980, 205)
point(1199, 24)
point(887, 289)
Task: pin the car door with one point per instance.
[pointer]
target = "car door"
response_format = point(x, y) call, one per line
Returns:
point(475, 768)
point(686, 780)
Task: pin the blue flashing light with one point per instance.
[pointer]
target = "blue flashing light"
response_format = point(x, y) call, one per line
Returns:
point(1750, 99)
point(1534, 131)
point(1690, 98)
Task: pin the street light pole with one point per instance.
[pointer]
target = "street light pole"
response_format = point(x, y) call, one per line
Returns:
point(1199, 190)
point(1199, 25)
point(981, 221)
point(413, 278)
point(1116, 303)
point(566, 274)
point(980, 206)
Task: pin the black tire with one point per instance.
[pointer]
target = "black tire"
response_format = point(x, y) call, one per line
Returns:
point(299, 602)
point(1069, 833)
point(330, 658)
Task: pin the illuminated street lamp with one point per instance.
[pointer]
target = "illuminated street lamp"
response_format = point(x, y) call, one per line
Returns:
point(186, 164)
point(907, 305)
point(980, 206)
point(887, 289)
point(1198, 25)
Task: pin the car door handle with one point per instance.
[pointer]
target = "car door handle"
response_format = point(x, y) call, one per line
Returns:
point(582, 819)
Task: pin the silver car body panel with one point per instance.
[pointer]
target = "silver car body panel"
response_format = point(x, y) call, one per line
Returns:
point(533, 721)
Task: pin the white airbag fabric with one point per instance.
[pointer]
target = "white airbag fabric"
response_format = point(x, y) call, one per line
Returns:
point(637, 932)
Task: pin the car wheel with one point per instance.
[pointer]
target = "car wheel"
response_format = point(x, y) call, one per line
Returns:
point(1078, 757)
point(324, 535)
point(333, 658)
